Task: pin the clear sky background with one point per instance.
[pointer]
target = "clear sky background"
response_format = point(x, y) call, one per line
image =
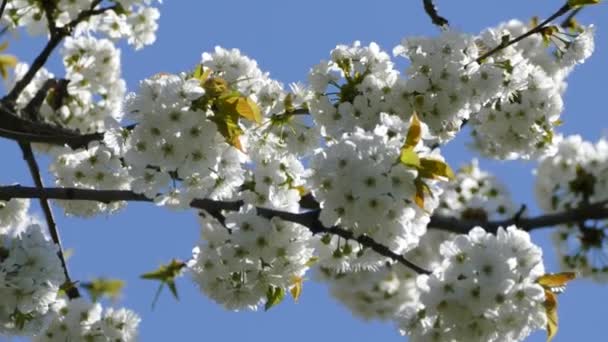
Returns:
point(287, 38)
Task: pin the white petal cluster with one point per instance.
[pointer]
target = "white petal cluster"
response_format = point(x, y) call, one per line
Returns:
point(12, 213)
point(520, 122)
point(475, 195)
point(351, 89)
point(445, 83)
point(276, 182)
point(384, 293)
point(484, 290)
point(239, 261)
point(175, 153)
point(95, 167)
point(135, 21)
point(30, 277)
point(95, 90)
point(575, 176)
point(80, 320)
point(362, 186)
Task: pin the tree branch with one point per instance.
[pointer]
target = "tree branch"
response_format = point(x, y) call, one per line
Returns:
point(431, 11)
point(28, 156)
point(310, 218)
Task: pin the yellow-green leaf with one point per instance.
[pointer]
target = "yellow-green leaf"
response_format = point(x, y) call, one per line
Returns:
point(577, 3)
point(555, 280)
point(215, 86)
point(296, 287)
point(409, 158)
point(313, 260)
point(422, 189)
point(551, 311)
point(102, 287)
point(433, 169)
point(248, 109)
point(414, 133)
point(274, 296)
point(288, 102)
point(6, 62)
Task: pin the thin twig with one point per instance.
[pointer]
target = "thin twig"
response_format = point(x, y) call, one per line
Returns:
point(431, 11)
point(2, 7)
point(28, 156)
point(538, 28)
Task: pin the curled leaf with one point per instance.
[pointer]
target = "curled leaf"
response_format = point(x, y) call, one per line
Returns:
point(166, 274)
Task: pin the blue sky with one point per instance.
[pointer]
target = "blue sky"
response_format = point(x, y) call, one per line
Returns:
point(287, 38)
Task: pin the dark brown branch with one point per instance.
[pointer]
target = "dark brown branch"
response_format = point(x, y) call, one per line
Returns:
point(309, 219)
point(431, 11)
point(538, 28)
point(594, 211)
point(2, 7)
point(28, 156)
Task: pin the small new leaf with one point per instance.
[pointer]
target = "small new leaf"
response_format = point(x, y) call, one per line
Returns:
point(434, 169)
point(551, 280)
point(101, 287)
point(166, 274)
point(551, 310)
point(296, 287)
point(274, 296)
point(409, 158)
point(6, 61)
point(414, 133)
point(552, 283)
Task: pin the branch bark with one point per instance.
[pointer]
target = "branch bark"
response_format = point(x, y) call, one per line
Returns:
point(310, 218)
point(28, 156)
point(431, 11)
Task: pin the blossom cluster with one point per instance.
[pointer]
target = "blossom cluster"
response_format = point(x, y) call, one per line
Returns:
point(577, 175)
point(246, 260)
point(361, 186)
point(95, 167)
point(30, 277)
point(475, 194)
point(485, 289)
point(80, 320)
point(520, 121)
point(133, 20)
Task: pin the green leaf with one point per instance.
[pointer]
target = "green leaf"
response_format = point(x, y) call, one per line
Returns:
point(101, 287)
point(274, 296)
point(409, 158)
point(166, 274)
point(434, 169)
